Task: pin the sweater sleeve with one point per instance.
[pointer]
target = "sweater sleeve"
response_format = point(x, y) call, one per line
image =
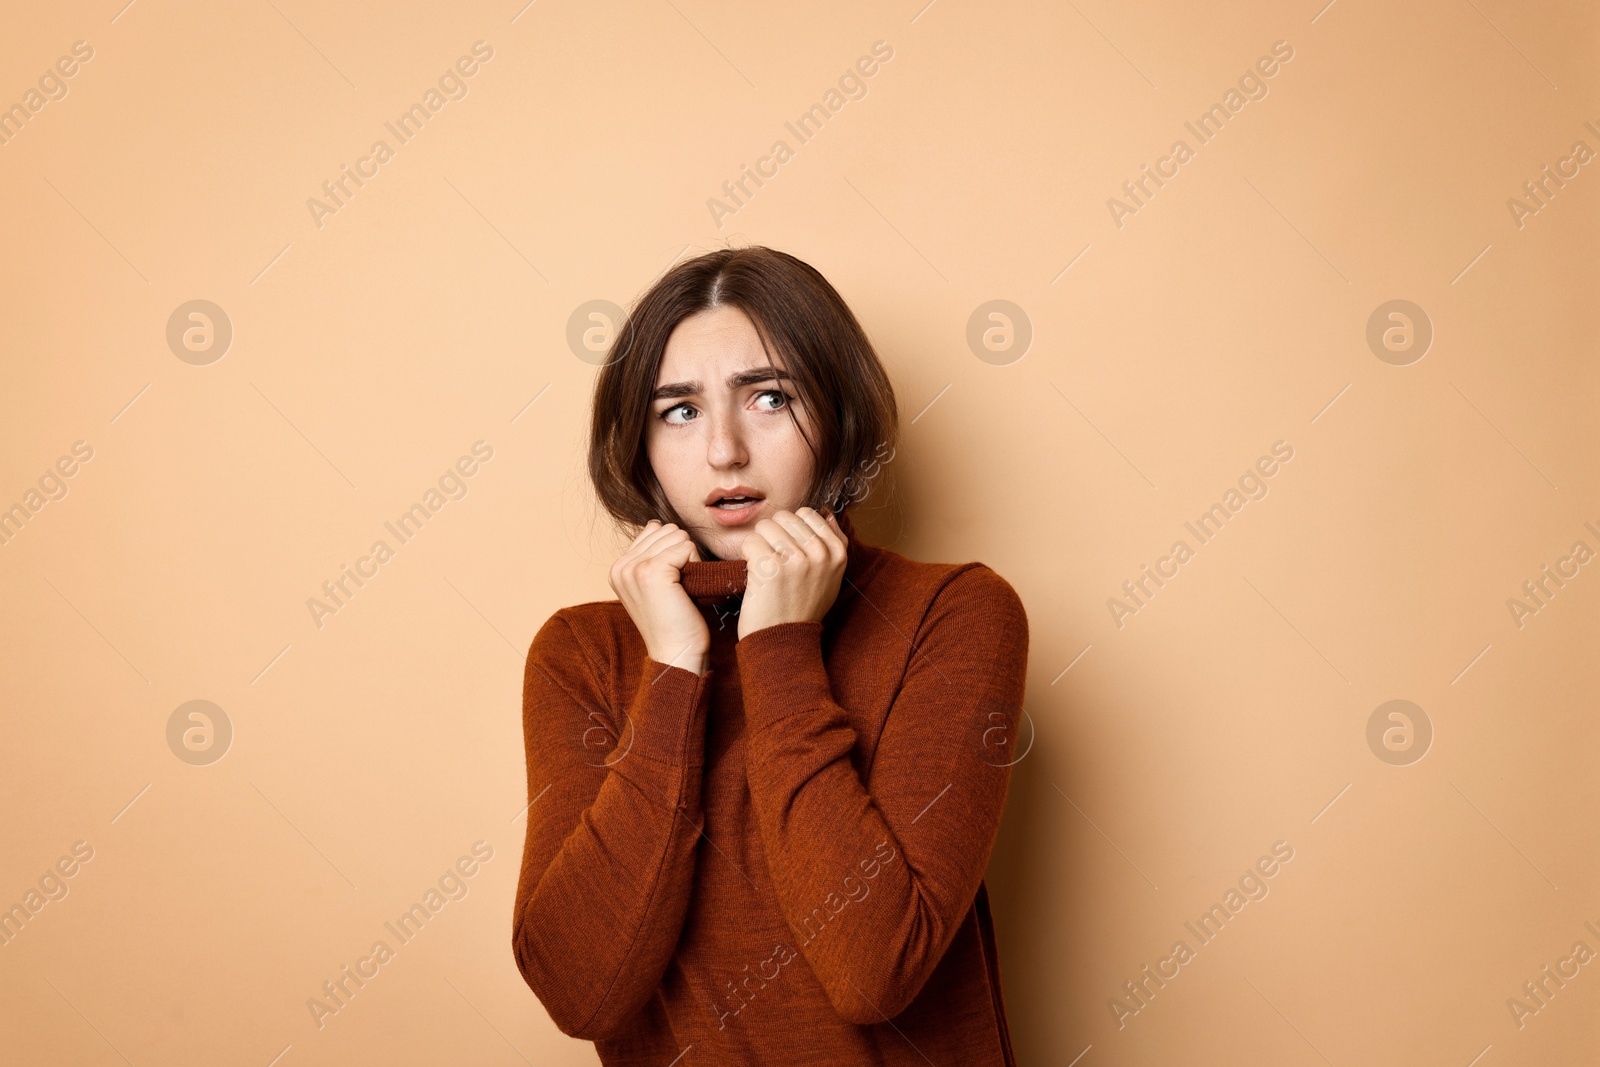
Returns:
point(613, 822)
point(875, 876)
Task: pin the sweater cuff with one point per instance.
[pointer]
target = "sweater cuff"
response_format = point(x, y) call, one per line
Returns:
point(781, 672)
point(668, 714)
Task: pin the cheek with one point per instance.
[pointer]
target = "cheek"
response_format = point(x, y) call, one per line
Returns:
point(786, 454)
point(666, 452)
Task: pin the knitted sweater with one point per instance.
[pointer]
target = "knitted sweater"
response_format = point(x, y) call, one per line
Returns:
point(780, 861)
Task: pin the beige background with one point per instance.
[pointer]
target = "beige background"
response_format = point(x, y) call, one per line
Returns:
point(431, 311)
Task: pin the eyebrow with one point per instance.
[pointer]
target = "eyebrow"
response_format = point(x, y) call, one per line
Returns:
point(755, 376)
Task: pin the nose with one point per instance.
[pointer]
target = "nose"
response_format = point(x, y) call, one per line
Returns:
point(725, 445)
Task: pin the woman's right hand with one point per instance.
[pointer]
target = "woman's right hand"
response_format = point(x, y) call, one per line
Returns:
point(646, 580)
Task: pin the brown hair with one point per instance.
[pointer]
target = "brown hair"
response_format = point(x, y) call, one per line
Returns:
point(795, 310)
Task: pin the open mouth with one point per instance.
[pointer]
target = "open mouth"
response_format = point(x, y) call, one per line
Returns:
point(734, 505)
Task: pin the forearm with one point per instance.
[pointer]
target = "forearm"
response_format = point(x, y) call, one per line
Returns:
point(888, 858)
point(597, 922)
point(839, 868)
point(861, 859)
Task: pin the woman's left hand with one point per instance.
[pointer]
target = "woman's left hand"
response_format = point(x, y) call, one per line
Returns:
point(795, 562)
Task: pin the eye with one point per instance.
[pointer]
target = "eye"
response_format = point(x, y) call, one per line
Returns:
point(787, 398)
point(676, 407)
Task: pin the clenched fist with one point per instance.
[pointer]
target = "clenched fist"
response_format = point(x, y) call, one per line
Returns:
point(646, 579)
point(795, 562)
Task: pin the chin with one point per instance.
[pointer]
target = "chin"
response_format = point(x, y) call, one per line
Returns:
point(719, 545)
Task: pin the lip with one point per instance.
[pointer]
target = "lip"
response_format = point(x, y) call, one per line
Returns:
point(735, 516)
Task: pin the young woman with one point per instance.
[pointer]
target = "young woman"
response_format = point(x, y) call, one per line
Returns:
point(766, 780)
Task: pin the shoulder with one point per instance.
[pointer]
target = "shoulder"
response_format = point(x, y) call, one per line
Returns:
point(958, 593)
point(593, 624)
point(954, 626)
point(578, 645)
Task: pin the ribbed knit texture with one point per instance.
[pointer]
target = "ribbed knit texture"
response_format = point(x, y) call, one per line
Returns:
point(781, 861)
point(714, 580)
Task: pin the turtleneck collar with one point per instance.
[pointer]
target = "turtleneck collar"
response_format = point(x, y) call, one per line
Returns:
point(713, 581)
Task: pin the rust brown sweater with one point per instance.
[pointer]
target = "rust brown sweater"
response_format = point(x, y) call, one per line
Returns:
point(781, 861)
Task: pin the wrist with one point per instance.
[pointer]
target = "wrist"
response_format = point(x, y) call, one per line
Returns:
point(782, 672)
point(690, 659)
point(750, 623)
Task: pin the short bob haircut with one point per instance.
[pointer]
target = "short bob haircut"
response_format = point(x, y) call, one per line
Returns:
point(795, 311)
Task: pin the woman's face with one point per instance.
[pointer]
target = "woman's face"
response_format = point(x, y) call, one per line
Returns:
point(718, 427)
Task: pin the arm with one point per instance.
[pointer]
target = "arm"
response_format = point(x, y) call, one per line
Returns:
point(610, 851)
point(894, 862)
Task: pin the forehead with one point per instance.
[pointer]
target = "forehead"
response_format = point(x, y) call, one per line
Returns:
point(715, 342)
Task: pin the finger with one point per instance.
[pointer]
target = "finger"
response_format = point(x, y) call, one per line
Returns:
point(668, 541)
point(760, 557)
point(832, 536)
point(643, 554)
point(644, 532)
point(819, 531)
point(673, 554)
point(816, 522)
point(623, 564)
point(801, 531)
point(786, 532)
point(654, 530)
point(833, 518)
